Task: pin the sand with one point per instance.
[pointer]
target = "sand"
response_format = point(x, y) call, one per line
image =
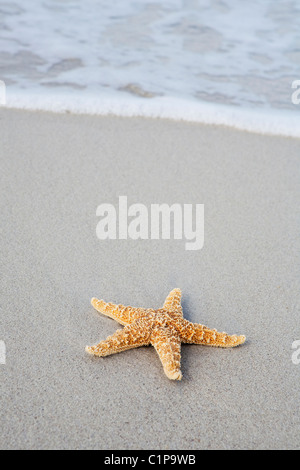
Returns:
point(55, 171)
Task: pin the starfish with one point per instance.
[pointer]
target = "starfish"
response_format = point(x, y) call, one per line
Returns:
point(164, 328)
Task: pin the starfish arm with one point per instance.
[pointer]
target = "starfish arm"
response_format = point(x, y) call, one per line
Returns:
point(200, 334)
point(173, 301)
point(120, 313)
point(168, 346)
point(132, 336)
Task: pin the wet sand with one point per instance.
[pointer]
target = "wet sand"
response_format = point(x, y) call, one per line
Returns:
point(55, 171)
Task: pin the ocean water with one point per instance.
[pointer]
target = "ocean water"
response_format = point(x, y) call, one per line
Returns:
point(228, 62)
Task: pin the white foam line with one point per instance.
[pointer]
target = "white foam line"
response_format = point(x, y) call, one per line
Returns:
point(275, 122)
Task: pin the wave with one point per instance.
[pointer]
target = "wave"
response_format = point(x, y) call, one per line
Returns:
point(285, 123)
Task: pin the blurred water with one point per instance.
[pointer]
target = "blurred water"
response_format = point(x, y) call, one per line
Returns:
point(230, 52)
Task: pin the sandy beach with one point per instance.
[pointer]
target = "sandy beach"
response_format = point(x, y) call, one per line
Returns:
point(55, 171)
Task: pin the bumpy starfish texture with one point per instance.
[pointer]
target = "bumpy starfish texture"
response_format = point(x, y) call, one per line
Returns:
point(164, 328)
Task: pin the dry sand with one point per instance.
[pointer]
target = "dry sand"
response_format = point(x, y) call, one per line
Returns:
point(55, 171)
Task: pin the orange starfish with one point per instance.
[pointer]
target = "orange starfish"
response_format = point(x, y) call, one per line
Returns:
point(164, 328)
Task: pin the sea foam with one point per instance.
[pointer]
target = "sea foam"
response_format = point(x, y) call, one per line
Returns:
point(212, 61)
